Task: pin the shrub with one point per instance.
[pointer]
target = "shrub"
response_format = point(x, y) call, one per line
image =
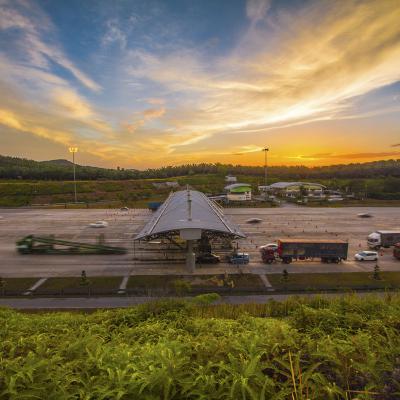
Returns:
point(181, 287)
point(314, 348)
point(206, 299)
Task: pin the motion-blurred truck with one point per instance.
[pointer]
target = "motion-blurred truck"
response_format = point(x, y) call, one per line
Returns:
point(379, 239)
point(327, 250)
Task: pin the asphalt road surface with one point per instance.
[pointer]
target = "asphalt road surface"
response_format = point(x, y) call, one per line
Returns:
point(341, 223)
point(83, 303)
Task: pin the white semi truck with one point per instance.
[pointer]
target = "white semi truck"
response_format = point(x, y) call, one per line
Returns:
point(379, 239)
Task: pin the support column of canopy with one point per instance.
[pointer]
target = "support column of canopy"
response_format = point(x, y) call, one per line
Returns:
point(190, 257)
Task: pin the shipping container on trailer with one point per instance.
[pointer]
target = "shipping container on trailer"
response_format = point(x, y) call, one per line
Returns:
point(328, 250)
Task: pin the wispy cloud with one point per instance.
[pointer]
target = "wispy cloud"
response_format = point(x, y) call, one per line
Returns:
point(256, 10)
point(307, 74)
point(34, 42)
point(247, 149)
point(347, 156)
point(291, 66)
point(152, 113)
point(114, 34)
point(155, 101)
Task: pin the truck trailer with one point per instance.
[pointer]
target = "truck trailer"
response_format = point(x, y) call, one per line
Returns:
point(327, 250)
point(379, 239)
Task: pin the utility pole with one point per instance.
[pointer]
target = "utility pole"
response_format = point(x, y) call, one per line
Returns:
point(265, 150)
point(74, 150)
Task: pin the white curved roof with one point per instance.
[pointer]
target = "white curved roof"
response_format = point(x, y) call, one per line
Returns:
point(284, 185)
point(237, 185)
point(175, 215)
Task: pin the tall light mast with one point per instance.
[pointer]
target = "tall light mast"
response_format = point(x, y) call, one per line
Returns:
point(74, 150)
point(265, 150)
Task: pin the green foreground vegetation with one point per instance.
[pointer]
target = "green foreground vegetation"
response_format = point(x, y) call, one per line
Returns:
point(315, 348)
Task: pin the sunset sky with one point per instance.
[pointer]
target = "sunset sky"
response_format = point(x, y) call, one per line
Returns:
point(145, 83)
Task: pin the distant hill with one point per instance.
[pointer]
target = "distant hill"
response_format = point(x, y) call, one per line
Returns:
point(21, 168)
point(58, 162)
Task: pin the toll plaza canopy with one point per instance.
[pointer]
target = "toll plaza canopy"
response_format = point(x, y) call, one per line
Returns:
point(186, 212)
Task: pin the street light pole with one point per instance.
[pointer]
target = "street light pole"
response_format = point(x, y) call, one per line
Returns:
point(74, 150)
point(265, 150)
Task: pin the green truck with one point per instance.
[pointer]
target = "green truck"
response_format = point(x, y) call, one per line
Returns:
point(49, 245)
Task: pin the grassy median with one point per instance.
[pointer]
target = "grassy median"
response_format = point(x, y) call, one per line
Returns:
point(102, 284)
point(335, 281)
point(16, 285)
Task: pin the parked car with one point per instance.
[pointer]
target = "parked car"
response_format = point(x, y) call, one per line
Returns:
point(366, 256)
point(124, 209)
point(99, 224)
point(208, 258)
point(239, 258)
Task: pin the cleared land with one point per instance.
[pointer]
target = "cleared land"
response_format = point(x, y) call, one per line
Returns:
point(341, 223)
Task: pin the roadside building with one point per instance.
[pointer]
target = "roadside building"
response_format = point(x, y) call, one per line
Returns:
point(238, 192)
point(230, 179)
point(166, 184)
point(294, 189)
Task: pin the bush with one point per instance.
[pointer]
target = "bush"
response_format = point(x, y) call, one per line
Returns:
point(206, 299)
point(314, 348)
point(181, 287)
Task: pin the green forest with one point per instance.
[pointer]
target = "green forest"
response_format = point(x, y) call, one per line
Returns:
point(25, 182)
point(304, 348)
point(19, 168)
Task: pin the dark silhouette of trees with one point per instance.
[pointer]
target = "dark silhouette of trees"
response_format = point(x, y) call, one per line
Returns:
point(20, 168)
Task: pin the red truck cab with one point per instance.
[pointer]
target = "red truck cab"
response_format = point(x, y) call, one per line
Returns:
point(268, 255)
point(396, 251)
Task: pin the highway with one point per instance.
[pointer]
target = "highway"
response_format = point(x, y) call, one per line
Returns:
point(341, 223)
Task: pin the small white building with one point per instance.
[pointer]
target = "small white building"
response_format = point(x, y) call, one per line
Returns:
point(238, 192)
point(292, 189)
point(166, 184)
point(230, 179)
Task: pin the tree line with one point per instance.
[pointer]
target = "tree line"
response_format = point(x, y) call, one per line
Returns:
point(20, 168)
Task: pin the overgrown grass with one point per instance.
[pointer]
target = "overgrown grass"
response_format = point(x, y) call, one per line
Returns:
point(133, 193)
point(103, 282)
point(16, 285)
point(138, 192)
point(342, 348)
point(335, 281)
point(247, 281)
